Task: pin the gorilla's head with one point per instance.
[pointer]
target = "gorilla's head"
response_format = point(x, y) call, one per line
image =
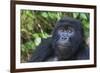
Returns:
point(67, 37)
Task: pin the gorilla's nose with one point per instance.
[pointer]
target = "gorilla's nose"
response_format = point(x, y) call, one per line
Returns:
point(64, 38)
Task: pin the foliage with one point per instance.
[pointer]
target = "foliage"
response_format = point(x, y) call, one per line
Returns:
point(36, 25)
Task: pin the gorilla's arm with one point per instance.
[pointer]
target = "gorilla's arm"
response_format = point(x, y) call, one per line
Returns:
point(43, 51)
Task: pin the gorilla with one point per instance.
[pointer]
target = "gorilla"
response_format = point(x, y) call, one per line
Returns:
point(66, 43)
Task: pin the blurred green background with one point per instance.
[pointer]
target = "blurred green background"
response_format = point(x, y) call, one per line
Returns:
point(36, 25)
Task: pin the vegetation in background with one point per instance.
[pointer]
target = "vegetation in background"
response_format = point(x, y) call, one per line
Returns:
point(36, 25)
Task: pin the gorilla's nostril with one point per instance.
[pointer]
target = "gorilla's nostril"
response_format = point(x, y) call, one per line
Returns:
point(64, 38)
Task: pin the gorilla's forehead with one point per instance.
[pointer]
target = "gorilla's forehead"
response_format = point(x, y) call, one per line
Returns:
point(68, 19)
point(69, 22)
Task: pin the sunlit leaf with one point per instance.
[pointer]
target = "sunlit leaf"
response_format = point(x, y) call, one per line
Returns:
point(83, 16)
point(44, 14)
point(37, 41)
point(75, 15)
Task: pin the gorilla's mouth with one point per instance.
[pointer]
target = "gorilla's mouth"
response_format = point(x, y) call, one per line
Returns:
point(64, 46)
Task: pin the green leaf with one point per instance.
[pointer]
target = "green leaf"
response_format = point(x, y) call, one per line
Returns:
point(35, 35)
point(75, 15)
point(83, 16)
point(37, 41)
point(44, 14)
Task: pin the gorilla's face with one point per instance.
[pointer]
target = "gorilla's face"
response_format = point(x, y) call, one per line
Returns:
point(65, 34)
point(67, 37)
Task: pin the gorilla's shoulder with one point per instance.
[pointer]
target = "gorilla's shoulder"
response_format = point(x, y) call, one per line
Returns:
point(46, 40)
point(42, 51)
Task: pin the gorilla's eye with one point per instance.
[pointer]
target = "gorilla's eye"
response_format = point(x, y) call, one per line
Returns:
point(69, 29)
point(61, 29)
point(66, 30)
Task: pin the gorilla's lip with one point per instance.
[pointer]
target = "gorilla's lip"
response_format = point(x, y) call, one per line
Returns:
point(63, 46)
